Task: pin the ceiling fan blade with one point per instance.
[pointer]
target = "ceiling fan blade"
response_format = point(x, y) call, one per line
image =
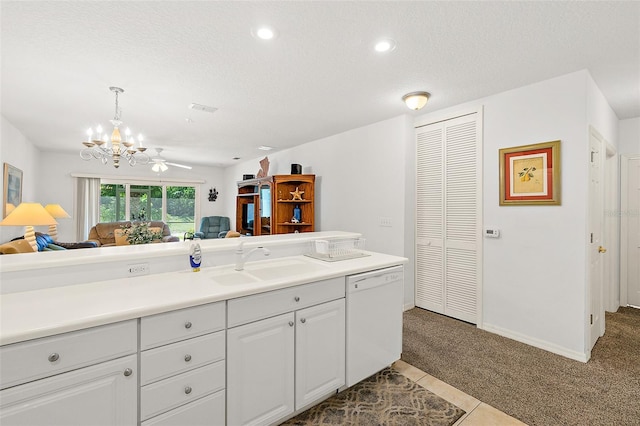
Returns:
point(179, 165)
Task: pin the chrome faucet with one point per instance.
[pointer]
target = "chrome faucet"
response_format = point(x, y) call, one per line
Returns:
point(241, 256)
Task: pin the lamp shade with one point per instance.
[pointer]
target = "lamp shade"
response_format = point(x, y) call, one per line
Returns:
point(56, 211)
point(28, 214)
point(416, 100)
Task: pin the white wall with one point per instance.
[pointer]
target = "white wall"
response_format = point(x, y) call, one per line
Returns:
point(534, 275)
point(629, 136)
point(18, 151)
point(360, 177)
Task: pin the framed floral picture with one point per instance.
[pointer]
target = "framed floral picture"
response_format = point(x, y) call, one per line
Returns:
point(530, 174)
point(12, 189)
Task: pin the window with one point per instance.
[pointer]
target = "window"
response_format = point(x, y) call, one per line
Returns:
point(181, 201)
point(175, 205)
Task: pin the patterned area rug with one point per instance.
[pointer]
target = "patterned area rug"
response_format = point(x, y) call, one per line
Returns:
point(387, 398)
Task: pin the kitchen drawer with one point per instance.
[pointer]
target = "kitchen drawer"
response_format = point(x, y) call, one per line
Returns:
point(35, 359)
point(209, 410)
point(264, 305)
point(169, 327)
point(166, 394)
point(169, 360)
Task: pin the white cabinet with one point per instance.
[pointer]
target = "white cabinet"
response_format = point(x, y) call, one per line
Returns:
point(260, 371)
point(320, 351)
point(283, 363)
point(182, 366)
point(103, 394)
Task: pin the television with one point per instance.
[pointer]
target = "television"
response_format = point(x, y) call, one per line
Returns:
point(248, 214)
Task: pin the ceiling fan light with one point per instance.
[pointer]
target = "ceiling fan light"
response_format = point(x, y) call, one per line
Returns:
point(156, 167)
point(416, 100)
point(163, 167)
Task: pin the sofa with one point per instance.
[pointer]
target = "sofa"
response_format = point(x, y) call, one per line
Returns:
point(105, 233)
point(44, 242)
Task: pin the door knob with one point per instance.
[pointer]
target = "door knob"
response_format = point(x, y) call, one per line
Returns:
point(602, 249)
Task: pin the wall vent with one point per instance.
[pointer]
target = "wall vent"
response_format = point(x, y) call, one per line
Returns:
point(205, 108)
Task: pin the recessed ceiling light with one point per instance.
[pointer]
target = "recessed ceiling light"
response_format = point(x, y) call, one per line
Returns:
point(265, 148)
point(264, 33)
point(385, 45)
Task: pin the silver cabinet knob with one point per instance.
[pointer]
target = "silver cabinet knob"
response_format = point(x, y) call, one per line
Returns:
point(303, 320)
point(187, 358)
point(54, 357)
point(290, 323)
point(128, 372)
point(297, 299)
point(187, 324)
point(187, 390)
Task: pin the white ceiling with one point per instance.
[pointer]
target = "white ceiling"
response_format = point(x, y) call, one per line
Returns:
point(318, 78)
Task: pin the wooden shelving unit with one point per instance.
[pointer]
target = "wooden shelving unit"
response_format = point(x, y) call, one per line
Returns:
point(274, 215)
point(283, 204)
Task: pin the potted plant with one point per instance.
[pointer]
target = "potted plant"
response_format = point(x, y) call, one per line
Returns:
point(141, 233)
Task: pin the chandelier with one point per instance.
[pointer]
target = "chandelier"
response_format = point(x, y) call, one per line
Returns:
point(115, 148)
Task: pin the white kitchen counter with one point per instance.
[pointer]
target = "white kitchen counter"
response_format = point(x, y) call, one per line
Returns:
point(40, 313)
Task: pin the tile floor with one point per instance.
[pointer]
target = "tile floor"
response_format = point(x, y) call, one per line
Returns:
point(477, 412)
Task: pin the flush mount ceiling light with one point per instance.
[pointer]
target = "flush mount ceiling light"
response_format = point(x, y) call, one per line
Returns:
point(385, 45)
point(100, 149)
point(416, 100)
point(264, 33)
point(265, 148)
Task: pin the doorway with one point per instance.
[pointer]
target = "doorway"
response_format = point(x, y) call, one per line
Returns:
point(630, 230)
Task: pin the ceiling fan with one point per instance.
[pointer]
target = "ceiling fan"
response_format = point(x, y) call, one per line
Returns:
point(160, 164)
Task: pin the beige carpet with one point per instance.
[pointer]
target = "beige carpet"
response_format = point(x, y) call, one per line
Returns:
point(387, 398)
point(530, 384)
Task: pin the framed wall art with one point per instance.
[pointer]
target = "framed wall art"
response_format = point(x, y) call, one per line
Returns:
point(12, 189)
point(530, 174)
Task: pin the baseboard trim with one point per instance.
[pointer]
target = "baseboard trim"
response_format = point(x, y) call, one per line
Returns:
point(541, 344)
point(408, 306)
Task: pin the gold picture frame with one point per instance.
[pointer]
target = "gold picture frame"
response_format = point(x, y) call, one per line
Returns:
point(12, 189)
point(530, 175)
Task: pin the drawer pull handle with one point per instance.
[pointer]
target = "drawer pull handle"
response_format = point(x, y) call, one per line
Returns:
point(297, 299)
point(290, 323)
point(128, 372)
point(54, 357)
point(187, 324)
point(303, 320)
point(187, 358)
point(187, 390)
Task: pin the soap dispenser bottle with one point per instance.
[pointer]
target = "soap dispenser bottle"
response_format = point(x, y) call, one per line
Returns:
point(195, 257)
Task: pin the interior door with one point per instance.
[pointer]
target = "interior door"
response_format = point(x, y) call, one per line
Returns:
point(596, 251)
point(631, 249)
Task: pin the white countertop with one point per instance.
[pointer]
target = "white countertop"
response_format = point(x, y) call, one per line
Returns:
point(40, 313)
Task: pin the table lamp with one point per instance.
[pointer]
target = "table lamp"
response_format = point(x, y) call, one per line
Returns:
point(29, 215)
point(57, 212)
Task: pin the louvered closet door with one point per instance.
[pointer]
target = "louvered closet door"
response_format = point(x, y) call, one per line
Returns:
point(448, 217)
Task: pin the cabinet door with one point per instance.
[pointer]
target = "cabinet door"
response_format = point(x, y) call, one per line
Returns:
point(97, 395)
point(320, 351)
point(260, 368)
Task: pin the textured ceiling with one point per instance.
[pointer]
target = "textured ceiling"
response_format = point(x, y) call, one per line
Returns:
point(318, 78)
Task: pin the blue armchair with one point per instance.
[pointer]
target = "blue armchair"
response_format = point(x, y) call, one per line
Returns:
point(213, 227)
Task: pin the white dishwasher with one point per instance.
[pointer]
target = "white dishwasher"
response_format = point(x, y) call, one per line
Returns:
point(374, 321)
